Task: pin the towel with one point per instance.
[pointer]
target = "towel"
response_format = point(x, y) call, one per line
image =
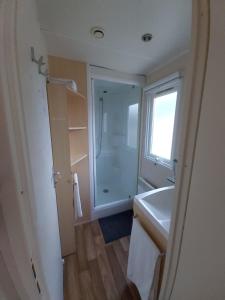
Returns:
point(143, 263)
point(76, 198)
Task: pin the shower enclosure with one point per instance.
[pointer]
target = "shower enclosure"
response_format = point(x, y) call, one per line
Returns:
point(116, 141)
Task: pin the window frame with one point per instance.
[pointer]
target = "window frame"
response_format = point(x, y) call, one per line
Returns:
point(162, 87)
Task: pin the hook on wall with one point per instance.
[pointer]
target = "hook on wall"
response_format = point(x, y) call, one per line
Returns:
point(40, 62)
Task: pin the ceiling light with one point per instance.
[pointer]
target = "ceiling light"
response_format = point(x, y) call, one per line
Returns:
point(146, 37)
point(97, 32)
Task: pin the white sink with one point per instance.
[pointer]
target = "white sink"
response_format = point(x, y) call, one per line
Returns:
point(157, 206)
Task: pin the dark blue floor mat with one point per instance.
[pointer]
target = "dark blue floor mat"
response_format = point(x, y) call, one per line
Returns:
point(116, 226)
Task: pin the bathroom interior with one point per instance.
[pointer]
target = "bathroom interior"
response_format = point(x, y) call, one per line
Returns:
point(115, 134)
point(115, 140)
point(111, 112)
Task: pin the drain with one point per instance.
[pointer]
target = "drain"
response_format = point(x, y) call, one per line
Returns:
point(105, 191)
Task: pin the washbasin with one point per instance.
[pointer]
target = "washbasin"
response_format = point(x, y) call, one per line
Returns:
point(156, 205)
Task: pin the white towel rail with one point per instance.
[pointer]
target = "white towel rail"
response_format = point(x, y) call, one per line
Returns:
point(76, 198)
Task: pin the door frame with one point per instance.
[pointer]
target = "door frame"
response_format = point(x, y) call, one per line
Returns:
point(18, 240)
point(10, 90)
point(191, 114)
point(94, 73)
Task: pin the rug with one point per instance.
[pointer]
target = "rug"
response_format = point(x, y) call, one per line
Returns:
point(116, 226)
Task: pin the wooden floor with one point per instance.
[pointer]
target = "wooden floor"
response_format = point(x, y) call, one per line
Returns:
point(97, 271)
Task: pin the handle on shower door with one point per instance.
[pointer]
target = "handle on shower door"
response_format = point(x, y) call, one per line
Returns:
point(56, 177)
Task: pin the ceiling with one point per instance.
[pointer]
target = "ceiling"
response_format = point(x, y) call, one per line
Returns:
point(66, 26)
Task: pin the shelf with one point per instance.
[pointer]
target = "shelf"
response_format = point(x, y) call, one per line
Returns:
point(77, 158)
point(77, 94)
point(76, 128)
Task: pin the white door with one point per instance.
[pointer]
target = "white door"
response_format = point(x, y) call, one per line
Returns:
point(40, 163)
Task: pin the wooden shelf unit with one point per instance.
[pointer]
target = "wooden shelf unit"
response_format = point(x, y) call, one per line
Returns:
point(70, 131)
point(76, 94)
point(77, 123)
point(77, 158)
point(76, 128)
point(77, 111)
point(61, 159)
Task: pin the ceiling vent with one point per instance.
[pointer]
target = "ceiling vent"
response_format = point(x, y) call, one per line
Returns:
point(97, 32)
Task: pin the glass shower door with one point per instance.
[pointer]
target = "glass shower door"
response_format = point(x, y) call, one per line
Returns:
point(116, 114)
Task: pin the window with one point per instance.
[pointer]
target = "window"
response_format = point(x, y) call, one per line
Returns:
point(161, 116)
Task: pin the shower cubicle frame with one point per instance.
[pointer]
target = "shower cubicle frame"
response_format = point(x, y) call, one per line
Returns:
point(99, 73)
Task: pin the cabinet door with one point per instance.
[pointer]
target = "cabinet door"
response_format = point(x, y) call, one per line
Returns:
point(57, 101)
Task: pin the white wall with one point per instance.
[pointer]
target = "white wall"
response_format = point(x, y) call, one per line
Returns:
point(178, 64)
point(157, 174)
point(201, 269)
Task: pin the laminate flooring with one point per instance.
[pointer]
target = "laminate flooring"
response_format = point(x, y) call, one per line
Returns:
point(97, 271)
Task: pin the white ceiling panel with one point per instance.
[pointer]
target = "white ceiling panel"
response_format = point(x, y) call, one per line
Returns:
point(66, 26)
